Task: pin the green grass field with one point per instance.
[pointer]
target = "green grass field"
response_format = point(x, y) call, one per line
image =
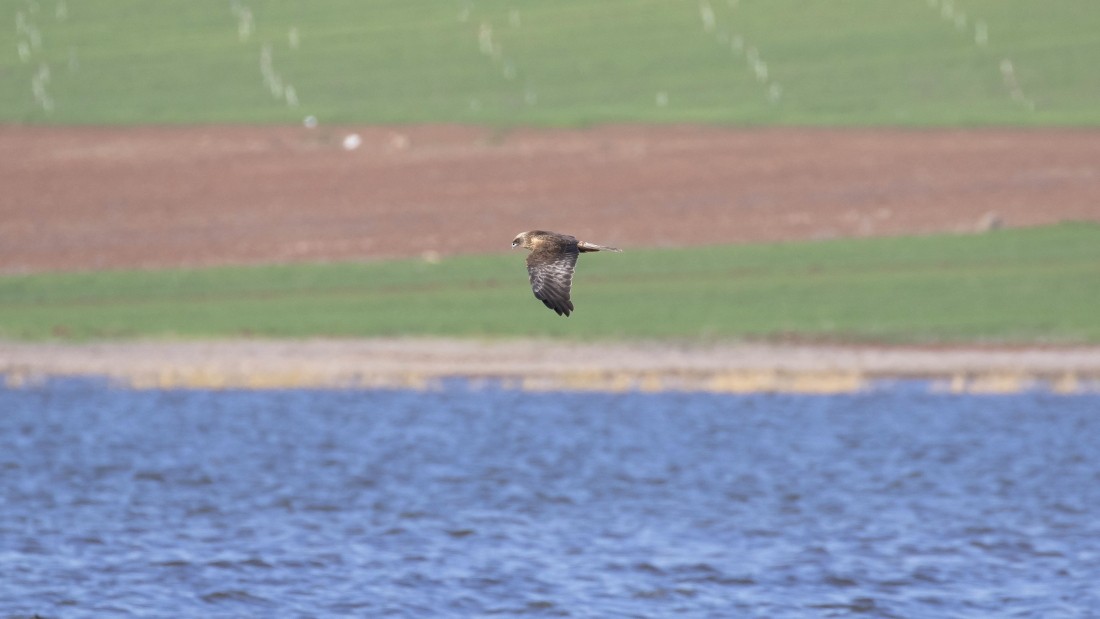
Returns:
point(569, 62)
point(1030, 285)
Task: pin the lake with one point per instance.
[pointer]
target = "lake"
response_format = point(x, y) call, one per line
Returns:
point(469, 502)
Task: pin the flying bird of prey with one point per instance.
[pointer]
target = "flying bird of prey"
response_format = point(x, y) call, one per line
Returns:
point(550, 264)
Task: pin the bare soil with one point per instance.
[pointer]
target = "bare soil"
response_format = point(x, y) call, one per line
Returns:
point(121, 197)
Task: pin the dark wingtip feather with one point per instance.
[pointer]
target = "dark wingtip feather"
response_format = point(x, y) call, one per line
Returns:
point(561, 308)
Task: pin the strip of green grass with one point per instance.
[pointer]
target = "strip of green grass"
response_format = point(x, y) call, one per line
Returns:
point(1031, 285)
point(567, 62)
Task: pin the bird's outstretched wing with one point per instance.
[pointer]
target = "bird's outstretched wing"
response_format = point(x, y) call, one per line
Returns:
point(551, 271)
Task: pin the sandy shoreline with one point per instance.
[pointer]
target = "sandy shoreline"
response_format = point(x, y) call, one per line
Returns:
point(546, 365)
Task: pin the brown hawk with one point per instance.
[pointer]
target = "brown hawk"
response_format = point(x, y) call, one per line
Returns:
point(550, 264)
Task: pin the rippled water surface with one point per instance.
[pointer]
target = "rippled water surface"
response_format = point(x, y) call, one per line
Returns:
point(465, 502)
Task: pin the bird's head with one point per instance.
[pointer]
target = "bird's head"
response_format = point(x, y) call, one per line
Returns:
point(520, 240)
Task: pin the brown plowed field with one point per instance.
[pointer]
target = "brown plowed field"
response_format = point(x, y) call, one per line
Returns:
point(90, 198)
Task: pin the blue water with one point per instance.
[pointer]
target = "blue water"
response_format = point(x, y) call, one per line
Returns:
point(468, 503)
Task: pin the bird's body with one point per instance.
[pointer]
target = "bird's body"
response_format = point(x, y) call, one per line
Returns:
point(551, 263)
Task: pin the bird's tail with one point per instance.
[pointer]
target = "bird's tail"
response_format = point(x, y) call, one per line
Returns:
point(584, 246)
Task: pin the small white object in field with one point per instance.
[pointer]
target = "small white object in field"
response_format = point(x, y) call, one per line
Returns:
point(352, 141)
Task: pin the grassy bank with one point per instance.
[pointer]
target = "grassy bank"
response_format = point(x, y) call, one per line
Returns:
point(911, 62)
point(1031, 285)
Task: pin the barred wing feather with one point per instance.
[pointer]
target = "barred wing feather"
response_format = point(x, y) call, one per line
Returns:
point(552, 277)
